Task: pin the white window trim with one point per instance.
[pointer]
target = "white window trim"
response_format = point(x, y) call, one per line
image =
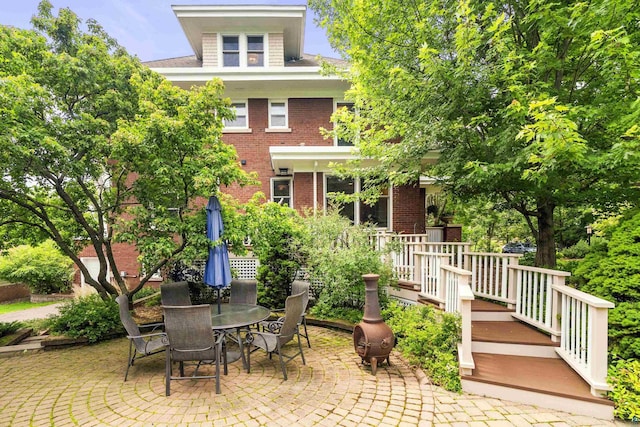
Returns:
point(284, 128)
point(282, 178)
point(239, 129)
point(356, 207)
point(243, 45)
point(337, 101)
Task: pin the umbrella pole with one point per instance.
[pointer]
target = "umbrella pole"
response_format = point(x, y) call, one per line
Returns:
point(219, 301)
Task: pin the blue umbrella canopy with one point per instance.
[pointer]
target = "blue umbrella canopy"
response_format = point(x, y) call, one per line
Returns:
point(217, 271)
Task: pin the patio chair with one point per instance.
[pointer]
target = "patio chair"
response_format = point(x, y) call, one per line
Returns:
point(282, 333)
point(140, 345)
point(244, 292)
point(303, 287)
point(176, 293)
point(297, 287)
point(191, 339)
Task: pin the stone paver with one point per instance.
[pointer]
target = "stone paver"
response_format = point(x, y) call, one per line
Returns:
point(84, 386)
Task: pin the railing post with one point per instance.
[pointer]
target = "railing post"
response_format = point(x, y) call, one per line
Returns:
point(467, 365)
point(442, 259)
point(598, 344)
point(511, 282)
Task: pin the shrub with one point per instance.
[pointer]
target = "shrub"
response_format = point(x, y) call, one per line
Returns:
point(276, 234)
point(90, 317)
point(624, 376)
point(338, 254)
point(428, 339)
point(7, 328)
point(42, 268)
point(612, 271)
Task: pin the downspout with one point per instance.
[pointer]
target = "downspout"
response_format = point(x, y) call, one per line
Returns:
point(315, 188)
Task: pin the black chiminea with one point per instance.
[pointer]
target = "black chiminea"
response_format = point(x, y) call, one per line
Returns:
point(372, 338)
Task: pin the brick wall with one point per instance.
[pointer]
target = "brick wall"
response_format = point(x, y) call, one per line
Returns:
point(13, 292)
point(408, 209)
point(306, 117)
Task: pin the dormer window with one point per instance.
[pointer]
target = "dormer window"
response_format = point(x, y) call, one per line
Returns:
point(243, 50)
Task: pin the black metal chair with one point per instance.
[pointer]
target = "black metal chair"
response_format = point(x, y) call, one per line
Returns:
point(191, 339)
point(175, 293)
point(281, 333)
point(140, 345)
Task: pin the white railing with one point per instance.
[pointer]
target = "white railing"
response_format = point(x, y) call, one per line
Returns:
point(428, 267)
point(535, 304)
point(583, 331)
point(404, 261)
point(490, 275)
point(539, 297)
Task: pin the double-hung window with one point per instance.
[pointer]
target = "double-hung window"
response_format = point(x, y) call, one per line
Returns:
point(255, 51)
point(242, 50)
point(231, 51)
point(358, 212)
point(281, 191)
point(278, 114)
point(242, 116)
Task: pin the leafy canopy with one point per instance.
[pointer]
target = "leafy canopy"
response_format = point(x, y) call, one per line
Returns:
point(97, 149)
point(533, 104)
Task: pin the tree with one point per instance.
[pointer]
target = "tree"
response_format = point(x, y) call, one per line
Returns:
point(97, 149)
point(531, 103)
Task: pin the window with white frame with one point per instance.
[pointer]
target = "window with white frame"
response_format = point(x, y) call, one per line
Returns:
point(359, 213)
point(242, 116)
point(343, 141)
point(231, 51)
point(281, 191)
point(243, 50)
point(278, 117)
point(255, 51)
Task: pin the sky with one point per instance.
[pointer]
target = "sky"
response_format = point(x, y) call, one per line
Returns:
point(149, 28)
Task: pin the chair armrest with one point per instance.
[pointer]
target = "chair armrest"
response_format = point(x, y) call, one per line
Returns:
point(144, 336)
point(153, 326)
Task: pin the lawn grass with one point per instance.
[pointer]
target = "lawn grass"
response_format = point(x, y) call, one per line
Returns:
point(23, 305)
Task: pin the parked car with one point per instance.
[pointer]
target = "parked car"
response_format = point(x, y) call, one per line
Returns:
point(518, 248)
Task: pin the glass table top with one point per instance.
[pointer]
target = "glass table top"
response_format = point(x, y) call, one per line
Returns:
point(237, 315)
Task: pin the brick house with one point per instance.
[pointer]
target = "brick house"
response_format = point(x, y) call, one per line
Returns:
point(282, 101)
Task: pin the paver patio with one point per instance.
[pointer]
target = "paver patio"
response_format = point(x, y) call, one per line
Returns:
point(84, 386)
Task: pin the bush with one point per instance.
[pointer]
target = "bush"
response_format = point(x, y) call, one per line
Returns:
point(42, 268)
point(612, 271)
point(338, 254)
point(428, 339)
point(90, 317)
point(7, 328)
point(624, 376)
point(276, 234)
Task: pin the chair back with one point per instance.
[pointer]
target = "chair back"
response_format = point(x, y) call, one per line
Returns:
point(301, 287)
point(129, 324)
point(244, 292)
point(292, 313)
point(189, 332)
point(176, 293)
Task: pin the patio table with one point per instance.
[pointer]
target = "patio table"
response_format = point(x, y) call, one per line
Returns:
point(234, 317)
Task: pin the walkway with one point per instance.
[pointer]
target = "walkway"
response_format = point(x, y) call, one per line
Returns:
point(84, 386)
point(31, 313)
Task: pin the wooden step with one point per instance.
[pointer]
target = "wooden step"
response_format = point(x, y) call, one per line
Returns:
point(511, 338)
point(537, 381)
point(489, 311)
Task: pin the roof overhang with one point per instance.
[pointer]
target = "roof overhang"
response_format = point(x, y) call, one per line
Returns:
point(310, 159)
point(288, 19)
point(285, 81)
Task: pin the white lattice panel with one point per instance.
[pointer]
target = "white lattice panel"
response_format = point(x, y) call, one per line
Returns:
point(244, 268)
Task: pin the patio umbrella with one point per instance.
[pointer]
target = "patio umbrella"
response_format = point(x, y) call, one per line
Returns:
point(217, 271)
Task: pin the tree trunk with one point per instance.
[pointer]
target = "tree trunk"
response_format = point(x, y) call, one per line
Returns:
point(546, 252)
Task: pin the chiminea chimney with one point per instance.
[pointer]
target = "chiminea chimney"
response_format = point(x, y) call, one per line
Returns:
point(372, 338)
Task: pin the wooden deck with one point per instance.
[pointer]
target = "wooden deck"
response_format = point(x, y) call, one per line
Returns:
point(509, 333)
